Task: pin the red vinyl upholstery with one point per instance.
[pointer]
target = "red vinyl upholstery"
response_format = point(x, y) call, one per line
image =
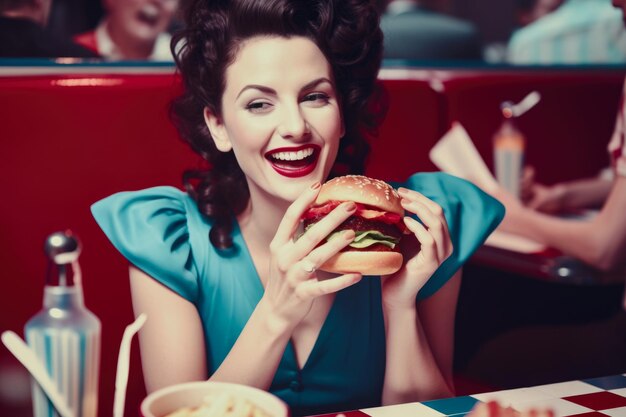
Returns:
point(566, 132)
point(68, 141)
point(411, 128)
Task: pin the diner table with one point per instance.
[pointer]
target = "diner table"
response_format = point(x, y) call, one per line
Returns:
point(547, 264)
point(517, 296)
point(595, 397)
point(518, 255)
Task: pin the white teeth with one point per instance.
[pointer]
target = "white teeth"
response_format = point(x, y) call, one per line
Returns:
point(293, 156)
point(150, 11)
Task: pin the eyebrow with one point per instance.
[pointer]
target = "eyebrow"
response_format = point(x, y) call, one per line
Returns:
point(268, 90)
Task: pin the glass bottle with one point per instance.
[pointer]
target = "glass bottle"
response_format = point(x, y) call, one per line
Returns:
point(509, 145)
point(65, 335)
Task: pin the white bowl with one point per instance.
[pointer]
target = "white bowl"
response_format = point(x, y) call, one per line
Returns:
point(191, 394)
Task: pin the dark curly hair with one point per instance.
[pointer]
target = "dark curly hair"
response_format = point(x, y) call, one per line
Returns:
point(348, 34)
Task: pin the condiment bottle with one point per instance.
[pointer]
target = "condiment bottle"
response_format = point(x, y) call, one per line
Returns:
point(509, 145)
point(65, 335)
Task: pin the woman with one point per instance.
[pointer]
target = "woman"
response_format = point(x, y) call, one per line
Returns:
point(277, 93)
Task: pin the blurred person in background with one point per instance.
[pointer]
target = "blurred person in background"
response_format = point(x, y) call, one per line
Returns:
point(23, 32)
point(568, 196)
point(599, 241)
point(133, 30)
point(413, 30)
point(574, 32)
point(529, 11)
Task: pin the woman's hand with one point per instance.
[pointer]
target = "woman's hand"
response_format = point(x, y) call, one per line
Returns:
point(430, 248)
point(294, 282)
point(516, 213)
point(536, 196)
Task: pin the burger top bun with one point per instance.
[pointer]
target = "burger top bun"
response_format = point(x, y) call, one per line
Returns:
point(361, 189)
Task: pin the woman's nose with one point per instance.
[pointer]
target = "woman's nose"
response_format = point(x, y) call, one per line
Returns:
point(292, 124)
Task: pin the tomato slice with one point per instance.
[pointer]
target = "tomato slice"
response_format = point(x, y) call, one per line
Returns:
point(361, 210)
point(320, 210)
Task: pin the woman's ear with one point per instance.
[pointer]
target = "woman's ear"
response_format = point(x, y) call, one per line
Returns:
point(217, 130)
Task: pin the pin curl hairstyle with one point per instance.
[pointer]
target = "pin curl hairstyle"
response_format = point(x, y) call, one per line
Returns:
point(348, 34)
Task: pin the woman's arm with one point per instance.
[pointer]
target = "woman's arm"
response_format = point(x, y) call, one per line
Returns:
point(172, 341)
point(420, 346)
point(600, 242)
point(438, 314)
point(419, 340)
point(572, 195)
point(568, 195)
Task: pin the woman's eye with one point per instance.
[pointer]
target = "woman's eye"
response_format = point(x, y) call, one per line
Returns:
point(258, 106)
point(317, 98)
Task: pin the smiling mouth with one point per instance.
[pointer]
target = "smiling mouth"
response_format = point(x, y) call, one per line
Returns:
point(294, 162)
point(149, 14)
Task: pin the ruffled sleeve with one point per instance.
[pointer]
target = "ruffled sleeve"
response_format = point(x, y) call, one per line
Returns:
point(471, 215)
point(150, 228)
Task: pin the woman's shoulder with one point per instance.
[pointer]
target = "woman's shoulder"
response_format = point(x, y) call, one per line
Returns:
point(160, 230)
point(459, 198)
point(446, 186)
point(160, 201)
point(471, 214)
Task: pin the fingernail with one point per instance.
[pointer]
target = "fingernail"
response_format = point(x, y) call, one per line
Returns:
point(402, 190)
point(410, 219)
point(349, 235)
point(350, 206)
point(316, 185)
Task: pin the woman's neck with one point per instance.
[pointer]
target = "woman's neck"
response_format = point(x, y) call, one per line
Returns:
point(262, 217)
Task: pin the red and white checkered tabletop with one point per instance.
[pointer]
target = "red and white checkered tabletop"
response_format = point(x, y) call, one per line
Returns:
point(597, 397)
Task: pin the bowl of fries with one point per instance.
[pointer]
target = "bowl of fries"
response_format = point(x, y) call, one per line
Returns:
point(212, 399)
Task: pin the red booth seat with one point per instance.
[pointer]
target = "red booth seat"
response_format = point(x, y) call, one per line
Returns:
point(567, 132)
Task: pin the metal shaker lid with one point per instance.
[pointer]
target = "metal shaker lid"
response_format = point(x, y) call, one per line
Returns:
point(62, 247)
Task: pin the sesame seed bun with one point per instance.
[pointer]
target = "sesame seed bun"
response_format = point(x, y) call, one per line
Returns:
point(361, 189)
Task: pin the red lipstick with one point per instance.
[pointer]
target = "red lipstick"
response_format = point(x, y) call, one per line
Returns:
point(287, 163)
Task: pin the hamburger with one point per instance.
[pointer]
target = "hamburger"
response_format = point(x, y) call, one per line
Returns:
point(377, 223)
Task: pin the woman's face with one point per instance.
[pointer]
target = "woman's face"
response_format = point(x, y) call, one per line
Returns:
point(142, 20)
point(280, 115)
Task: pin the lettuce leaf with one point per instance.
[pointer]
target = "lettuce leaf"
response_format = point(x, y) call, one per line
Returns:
point(365, 238)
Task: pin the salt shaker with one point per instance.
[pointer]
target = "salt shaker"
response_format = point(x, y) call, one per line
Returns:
point(65, 335)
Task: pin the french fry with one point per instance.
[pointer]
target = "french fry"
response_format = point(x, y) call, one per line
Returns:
point(221, 405)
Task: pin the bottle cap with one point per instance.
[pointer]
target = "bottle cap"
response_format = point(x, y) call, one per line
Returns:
point(62, 247)
point(512, 110)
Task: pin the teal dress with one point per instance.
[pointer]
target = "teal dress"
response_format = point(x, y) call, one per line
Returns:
point(161, 231)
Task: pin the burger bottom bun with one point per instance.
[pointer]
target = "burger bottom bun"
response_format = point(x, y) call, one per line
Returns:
point(365, 262)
